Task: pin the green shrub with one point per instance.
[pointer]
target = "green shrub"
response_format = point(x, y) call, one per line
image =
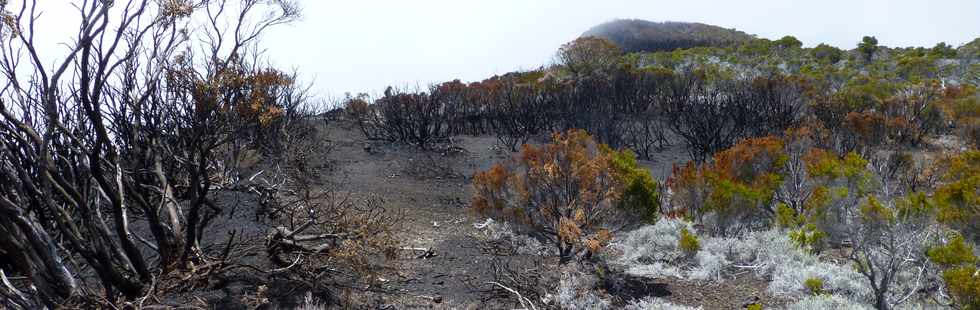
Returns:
point(809, 238)
point(688, 243)
point(786, 217)
point(957, 198)
point(814, 285)
point(640, 194)
point(954, 253)
point(960, 274)
point(964, 286)
point(827, 54)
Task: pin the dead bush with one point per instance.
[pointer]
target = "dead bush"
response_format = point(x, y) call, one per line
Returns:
point(418, 118)
point(135, 134)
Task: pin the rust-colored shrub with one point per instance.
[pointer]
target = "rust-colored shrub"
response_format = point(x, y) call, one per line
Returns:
point(961, 104)
point(736, 190)
point(867, 129)
point(566, 193)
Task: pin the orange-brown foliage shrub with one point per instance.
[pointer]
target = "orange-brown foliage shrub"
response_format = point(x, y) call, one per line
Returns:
point(567, 192)
point(961, 104)
point(736, 191)
point(867, 129)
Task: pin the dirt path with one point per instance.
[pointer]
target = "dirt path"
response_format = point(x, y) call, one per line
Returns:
point(430, 191)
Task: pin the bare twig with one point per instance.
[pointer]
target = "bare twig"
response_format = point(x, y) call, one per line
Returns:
point(526, 303)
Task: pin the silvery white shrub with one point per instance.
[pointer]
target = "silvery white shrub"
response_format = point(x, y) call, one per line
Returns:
point(651, 303)
point(826, 302)
point(772, 254)
point(651, 251)
point(522, 244)
point(576, 291)
point(710, 266)
point(652, 243)
point(655, 270)
point(768, 254)
point(311, 303)
point(788, 277)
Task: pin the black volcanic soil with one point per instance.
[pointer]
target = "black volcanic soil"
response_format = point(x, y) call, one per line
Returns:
point(431, 189)
point(444, 264)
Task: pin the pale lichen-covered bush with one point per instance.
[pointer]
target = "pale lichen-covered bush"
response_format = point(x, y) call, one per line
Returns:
point(762, 249)
point(311, 303)
point(788, 279)
point(655, 270)
point(651, 303)
point(768, 254)
point(577, 291)
point(710, 266)
point(826, 302)
point(653, 243)
point(924, 305)
point(522, 244)
point(772, 254)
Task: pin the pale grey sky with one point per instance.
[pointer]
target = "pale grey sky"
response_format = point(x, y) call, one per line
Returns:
point(364, 45)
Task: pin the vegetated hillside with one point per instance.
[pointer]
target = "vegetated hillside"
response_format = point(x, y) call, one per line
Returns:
point(971, 49)
point(816, 178)
point(756, 175)
point(635, 35)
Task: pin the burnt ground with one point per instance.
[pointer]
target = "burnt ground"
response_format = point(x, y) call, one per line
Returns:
point(445, 261)
point(431, 190)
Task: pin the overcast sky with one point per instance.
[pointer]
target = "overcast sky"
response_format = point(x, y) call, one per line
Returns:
point(363, 45)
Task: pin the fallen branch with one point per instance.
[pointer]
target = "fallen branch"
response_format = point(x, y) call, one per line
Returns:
point(12, 294)
point(524, 301)
point(484, 224)
point(426, 252)
point(285, 237)
point(295, 262)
